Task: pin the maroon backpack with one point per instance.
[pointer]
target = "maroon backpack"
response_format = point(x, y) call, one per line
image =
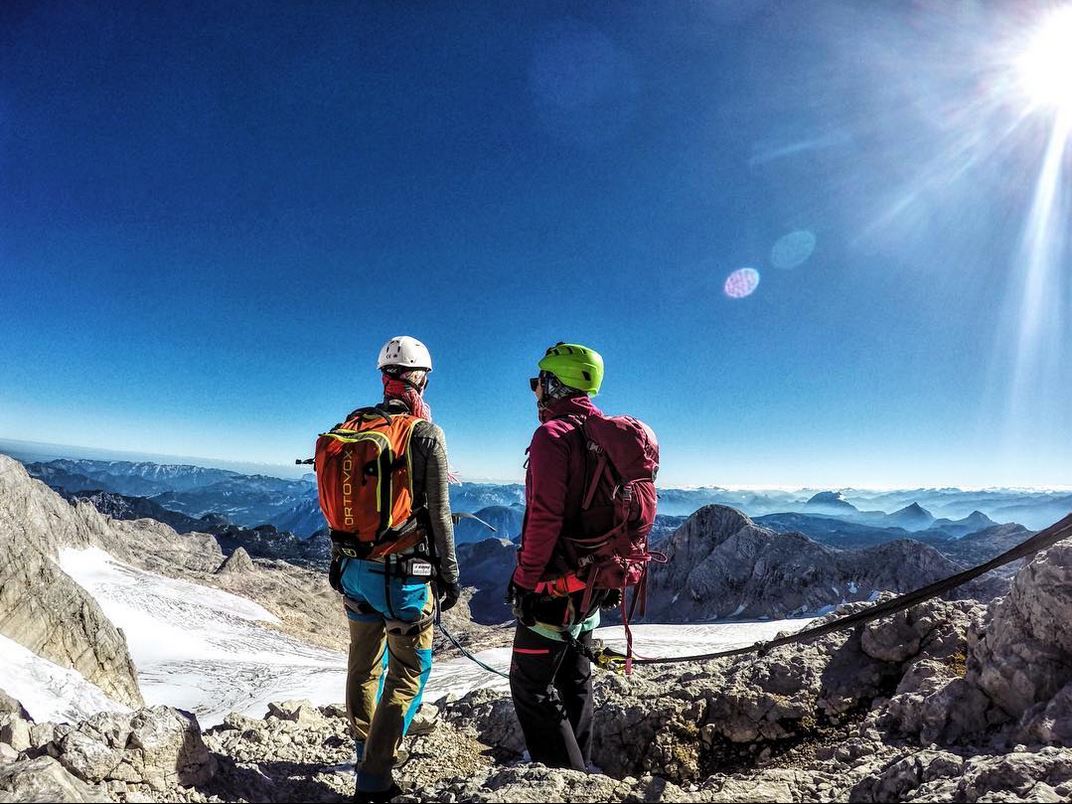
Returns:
point(617, 514)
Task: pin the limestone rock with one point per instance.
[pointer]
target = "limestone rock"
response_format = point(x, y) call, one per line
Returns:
point(300, 712)
point(238, 562)
point(491, 716)
point(9, 705)
point(15, 731)
point(42, 734)
point(1049, 723)
point(1017, 666)
point(158, 748)
point(890, 640)
point(44, 779)
point(41, 608)
point(940, 776)
point(1024, 657)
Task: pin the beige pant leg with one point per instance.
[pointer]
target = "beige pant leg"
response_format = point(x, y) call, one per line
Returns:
point(407, 669)
point(363, 673)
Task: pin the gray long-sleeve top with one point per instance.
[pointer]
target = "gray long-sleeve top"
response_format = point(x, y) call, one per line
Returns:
point(431, 490)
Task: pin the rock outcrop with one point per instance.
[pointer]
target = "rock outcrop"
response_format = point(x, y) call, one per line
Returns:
point(238, 562)
point(41, 608)
point(10, 706)
point(721, 564)
point(135, 756)
point(1023, 656)
point(1017, 674)
point(45, 779)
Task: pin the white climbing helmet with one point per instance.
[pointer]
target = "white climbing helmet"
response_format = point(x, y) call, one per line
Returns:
point(406, 352)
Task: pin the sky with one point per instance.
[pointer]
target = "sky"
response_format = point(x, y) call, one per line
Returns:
point(213, 215)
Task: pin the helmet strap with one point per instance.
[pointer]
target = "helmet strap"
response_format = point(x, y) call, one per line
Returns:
point(553, 391)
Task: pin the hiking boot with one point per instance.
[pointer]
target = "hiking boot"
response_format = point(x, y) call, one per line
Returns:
point(377, 796)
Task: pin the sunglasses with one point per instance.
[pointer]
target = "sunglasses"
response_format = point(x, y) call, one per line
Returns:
point(534, 383)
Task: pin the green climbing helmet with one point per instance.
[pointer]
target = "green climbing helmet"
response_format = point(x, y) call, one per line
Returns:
point(575, 366)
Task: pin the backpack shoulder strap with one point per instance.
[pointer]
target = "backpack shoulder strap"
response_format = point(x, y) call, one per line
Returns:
point(602, 467)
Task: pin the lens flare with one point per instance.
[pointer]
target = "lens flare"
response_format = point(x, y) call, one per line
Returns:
point(1043, 72)
point(1044, 69)
point(741, 283)
point(793, 249)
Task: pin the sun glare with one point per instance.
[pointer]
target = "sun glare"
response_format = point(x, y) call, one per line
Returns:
point(1045, 68)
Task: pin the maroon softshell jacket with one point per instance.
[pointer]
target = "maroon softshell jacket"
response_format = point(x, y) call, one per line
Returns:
point(554, 488)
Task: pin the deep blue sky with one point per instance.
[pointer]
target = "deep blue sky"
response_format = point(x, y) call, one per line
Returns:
point(213, 214)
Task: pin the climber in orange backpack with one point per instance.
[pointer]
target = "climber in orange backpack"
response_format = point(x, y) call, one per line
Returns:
point(382, 477)
point(590, 504)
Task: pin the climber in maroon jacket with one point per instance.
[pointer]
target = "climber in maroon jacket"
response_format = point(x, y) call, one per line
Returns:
point(550, 675)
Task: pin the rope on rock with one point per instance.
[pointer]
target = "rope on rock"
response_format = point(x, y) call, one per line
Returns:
point(610, 658)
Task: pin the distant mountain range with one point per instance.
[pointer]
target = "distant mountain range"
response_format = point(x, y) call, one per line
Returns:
point(968, 541)
point(262, 541)
point(1035, 509)
point(247, 500)
point(125, 477)
point(723, 565)
point(858, 549)
point(846, 518)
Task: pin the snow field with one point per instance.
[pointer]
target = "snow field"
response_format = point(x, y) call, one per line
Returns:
point(46, 690)
point(209, 652)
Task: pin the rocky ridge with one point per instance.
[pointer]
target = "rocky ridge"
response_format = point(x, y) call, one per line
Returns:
point(952, 700)
point(44, 610)
point(721, 564)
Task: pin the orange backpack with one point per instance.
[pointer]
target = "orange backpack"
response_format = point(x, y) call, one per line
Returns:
point(365, 482)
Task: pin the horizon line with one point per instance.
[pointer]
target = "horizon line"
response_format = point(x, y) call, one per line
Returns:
point(227, 463)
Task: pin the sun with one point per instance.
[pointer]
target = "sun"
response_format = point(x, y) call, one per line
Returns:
point(1044, 69)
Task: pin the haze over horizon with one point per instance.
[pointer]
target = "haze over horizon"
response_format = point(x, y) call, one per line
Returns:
point(38, 451)
point(819, 245)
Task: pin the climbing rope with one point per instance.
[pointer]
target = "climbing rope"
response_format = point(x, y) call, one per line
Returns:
point(450, 638)
point(612, 659)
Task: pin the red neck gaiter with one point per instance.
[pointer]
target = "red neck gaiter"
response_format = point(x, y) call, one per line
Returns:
point(394, 388)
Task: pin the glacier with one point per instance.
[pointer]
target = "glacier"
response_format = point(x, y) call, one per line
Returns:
point(212, 652)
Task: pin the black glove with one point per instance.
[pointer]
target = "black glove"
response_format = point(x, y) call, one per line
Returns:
point(448, 595)
point(522, 602)
point(612, 599)
point(335, 573)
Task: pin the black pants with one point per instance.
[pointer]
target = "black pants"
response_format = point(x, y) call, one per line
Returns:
point(551, 684)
